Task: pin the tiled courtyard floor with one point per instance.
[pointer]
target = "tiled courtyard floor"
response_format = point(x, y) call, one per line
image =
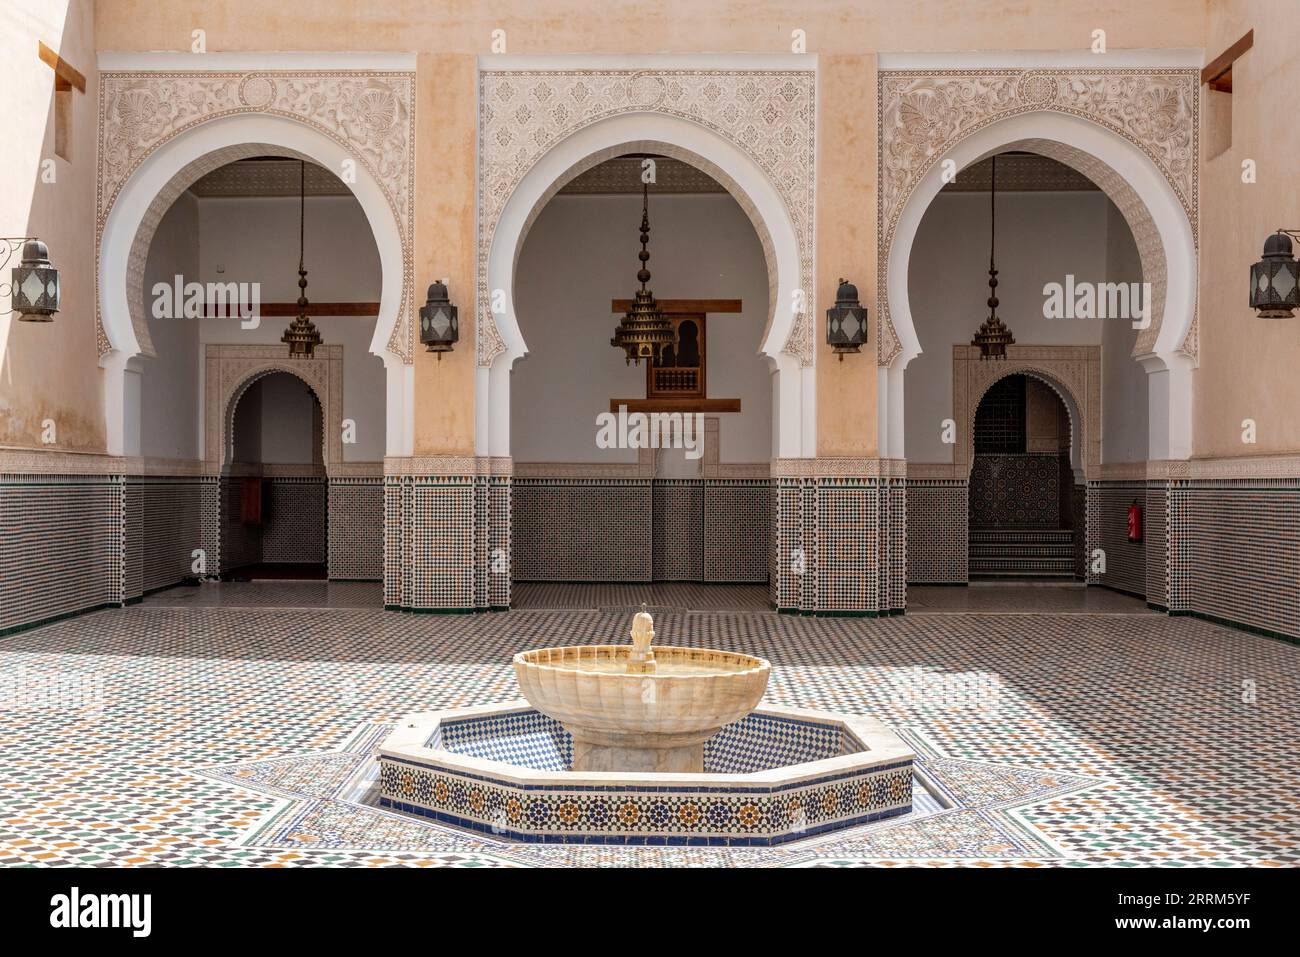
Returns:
point(232, 725)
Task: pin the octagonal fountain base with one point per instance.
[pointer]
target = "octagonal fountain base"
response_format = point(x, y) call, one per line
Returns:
point(778, 775)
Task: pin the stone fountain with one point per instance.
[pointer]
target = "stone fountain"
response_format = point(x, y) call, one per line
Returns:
point(638, 708)
point(638, 744)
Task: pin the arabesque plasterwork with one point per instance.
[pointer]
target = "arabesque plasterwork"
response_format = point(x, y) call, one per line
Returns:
point(1073, 372)
point(370, 113)
point(923, 114)
point(230, 369)
point(768, 114)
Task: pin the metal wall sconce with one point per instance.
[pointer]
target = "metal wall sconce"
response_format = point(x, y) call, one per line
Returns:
point(1275, 279)
point(33, 285)
point(439, 326)
point(846, 321)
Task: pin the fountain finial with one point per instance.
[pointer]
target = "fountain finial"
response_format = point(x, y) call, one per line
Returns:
point(641, 659)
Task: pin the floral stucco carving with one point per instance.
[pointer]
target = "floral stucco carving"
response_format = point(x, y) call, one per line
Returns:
point(923, 114)
point(769, 114)
point(369, 113)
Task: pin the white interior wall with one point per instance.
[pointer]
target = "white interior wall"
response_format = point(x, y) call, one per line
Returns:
point(220, 239)
point(275, 422)
point(582, 252)
point(1124, 402)
point(169, 397)
point(1041, 237)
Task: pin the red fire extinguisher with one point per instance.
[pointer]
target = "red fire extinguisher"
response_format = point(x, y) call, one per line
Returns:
point(1135, 522)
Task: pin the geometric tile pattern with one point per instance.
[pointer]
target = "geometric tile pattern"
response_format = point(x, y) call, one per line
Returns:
point(356, 529)
point(640, 530)
point(229, 736)
point(293, 526)
point(938, 523)
point(60, 545)
point(1126, 562)
point(1020, 490)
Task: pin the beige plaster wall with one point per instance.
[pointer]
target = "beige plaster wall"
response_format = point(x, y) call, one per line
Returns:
point(1248, 365)
point(50, 370)
point(846, 248)
point(53, 371)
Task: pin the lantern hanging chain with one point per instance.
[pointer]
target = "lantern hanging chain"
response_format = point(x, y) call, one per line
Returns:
point(993, 232)
point(302, 237)
point(643, 273)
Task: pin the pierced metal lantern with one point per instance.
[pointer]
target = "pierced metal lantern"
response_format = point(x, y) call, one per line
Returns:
point(644, 332)
point(35, 284)
point(846, 321)
point(1275, 279)
point(439, 326)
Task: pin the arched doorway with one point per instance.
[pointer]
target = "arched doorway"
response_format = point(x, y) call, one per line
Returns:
point(275, 513)
point(592, 500)
point(1023, 517)
point(794, 383)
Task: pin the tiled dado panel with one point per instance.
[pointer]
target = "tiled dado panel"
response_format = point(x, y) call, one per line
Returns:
point(171, 530)
point(641, 530)
point(1079, 523)
point(1019, 490)
point(1126, 562)
point(838, 545)
point(679, 531)
point(583, 530)
point(356, 529)
point(61, 545)
point(736, 528)
point(240, 544)
point(937, 531)
point(294, 523)
point(447, 542)
point(1234, 551)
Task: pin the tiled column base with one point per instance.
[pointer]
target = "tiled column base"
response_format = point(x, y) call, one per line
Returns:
point(447, 534)
point(838, 537)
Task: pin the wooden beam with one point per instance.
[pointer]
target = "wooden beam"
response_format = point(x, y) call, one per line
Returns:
point(277, 309)
point(684, 307)
point(676, 405)
point(62, 69)
point(1222, 63)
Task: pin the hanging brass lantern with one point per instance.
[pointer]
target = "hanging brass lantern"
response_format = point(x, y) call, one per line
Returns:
point(302, 336)
point(644, 333)
point(993, 336)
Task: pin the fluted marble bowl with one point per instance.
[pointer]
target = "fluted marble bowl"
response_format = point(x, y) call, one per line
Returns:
point(693, 690)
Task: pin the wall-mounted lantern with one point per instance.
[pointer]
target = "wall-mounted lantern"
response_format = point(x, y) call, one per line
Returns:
point(34, 284)
point(1275, 279)
point(846, 321)
point(439, 326)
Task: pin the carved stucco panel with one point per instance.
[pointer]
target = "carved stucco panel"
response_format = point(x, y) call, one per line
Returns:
point(230, 369)
point(768, 114)
point(923, 114)
point(371, 114)
point(1076, 370)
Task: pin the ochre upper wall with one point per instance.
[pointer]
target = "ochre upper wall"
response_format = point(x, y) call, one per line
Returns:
point(853, 27)
point(1248, 365)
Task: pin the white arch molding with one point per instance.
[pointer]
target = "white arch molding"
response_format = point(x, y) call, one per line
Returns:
point(1149, 204)
point(794, 386)
point(145, 196)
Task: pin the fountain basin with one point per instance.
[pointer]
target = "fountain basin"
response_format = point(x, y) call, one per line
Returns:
point(641, 721)
point(777, 775)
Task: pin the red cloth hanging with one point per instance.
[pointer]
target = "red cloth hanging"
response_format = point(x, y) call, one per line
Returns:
point(250, 501)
